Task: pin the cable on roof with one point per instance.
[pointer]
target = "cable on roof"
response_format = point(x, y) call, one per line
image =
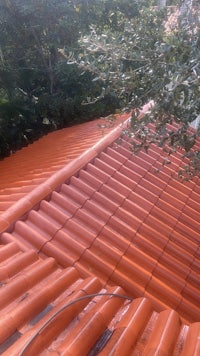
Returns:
point(65, 306)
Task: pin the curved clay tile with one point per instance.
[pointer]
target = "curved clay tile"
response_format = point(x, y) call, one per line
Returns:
point(108, 222)
point(47, 310)
point(32, 165)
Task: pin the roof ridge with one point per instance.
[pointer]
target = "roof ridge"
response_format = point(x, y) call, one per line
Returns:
point(23, 205)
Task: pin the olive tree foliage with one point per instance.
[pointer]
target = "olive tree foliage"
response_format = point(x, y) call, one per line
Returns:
point(147, 58)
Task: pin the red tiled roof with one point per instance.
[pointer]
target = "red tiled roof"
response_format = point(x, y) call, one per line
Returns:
point(32, 173)
point(108, 218)
point(32, 165)
point(55, 311)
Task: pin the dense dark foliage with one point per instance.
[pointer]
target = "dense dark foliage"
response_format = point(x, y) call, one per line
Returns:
point(41, 87)
point(63, 62)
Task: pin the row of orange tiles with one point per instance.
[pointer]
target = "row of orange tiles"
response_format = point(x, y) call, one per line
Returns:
point(105, 223)
point(49, 311)
point(119, 220)
point(32, 165)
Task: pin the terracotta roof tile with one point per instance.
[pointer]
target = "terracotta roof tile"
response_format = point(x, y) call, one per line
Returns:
point(32, 165)
point(125, 217)
point(106, 219)
point(35, 317)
